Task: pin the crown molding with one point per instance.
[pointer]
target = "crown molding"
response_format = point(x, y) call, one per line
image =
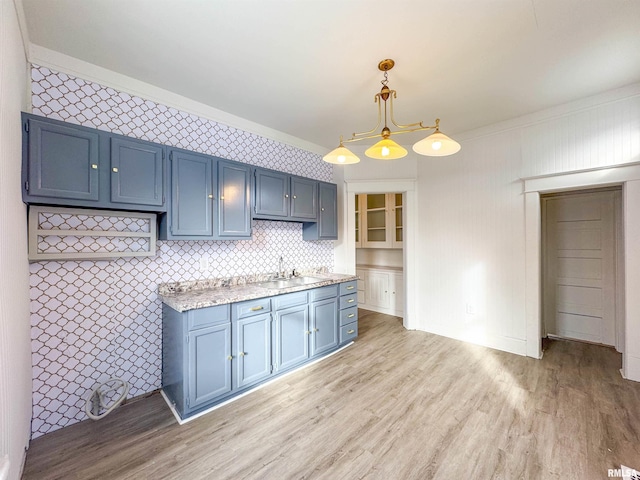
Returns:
point(78, 68)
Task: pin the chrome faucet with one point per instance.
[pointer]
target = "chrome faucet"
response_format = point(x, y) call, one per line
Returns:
point(280, 268)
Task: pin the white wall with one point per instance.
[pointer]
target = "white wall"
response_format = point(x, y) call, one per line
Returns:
point(15, 351)
point(381, 257)
point(471, 209)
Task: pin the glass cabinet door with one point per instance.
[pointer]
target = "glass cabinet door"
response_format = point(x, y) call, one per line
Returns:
point(398, 222)
point(375, 232)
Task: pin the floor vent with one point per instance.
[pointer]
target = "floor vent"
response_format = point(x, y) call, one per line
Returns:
point(629, 473)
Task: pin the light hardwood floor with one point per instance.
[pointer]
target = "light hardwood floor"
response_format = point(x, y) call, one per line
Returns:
point(395, 405)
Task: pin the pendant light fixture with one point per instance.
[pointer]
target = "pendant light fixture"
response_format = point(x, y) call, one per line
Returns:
point(436, 145)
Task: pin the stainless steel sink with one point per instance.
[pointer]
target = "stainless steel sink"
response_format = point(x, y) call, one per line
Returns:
point(290, 282)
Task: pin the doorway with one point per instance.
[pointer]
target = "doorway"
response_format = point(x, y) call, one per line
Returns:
point(346, 253)
point(582, 266)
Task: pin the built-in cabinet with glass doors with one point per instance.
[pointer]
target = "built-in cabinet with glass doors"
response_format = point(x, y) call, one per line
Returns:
point(379, 220)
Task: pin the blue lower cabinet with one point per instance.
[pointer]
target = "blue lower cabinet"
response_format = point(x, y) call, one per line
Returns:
point(253, 349)
point(324, 326)
point(196, 356)
point(209, 364)
point(348, 311)
point(291, 337)
point(212, 354)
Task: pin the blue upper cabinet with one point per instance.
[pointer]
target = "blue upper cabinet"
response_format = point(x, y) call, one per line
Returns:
point(279, 196)
point(304, 199)
point(137, 172)
point(190, 213)
point(71, 165)
point(326, 228)
point(271, 195)
point(210, 199)
point(234, 201)
point(63, 161)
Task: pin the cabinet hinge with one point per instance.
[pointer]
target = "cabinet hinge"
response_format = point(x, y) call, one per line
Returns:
point(188, 402)
point(163, 200)
point(271, 369)
point(26, 185)
point(26, 126)
point(187, 338)
point(163, 154)
point(171, 156)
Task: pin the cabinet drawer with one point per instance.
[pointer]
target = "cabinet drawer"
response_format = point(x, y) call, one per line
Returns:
point(323, 292)
point(289, 300)
point(348, 332)
point(348, 315)
point(347, 301)
point(251, 307)
point(205, 317)
point(348, 287)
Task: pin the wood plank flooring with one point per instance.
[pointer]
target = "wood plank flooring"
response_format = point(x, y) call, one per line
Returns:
point(395, 405)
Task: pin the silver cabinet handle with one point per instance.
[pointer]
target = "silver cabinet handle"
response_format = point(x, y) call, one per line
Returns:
point(351, 315)
point(94, 166)
point(350, 332)
point(255, 309)
point(115, 170)
point(241, 354)
point(350, 300)
point(350, 287)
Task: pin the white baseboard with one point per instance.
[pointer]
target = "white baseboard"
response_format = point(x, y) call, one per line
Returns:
point(4, 467)
point(388, 311)
point(631, 368)
point(506, 344)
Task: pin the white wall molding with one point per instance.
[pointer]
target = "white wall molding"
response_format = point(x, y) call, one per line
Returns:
point(629, 177)
point(578, 179)
point(348, 246)
point(78, 68)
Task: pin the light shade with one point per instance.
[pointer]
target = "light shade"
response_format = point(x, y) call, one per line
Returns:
point(385, 149)
point(341, 156)
point(436, 145)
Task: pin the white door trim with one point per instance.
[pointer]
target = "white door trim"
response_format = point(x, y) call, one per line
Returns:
point(627, 175)
point(409, 189)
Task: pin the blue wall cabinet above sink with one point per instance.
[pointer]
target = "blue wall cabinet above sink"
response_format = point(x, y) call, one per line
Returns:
point(71, 165)
point(279, 196)
point(326, 228)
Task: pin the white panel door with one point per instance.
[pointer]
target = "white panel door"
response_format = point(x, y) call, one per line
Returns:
point(579, 268)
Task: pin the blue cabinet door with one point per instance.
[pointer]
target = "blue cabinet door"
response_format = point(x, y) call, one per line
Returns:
point(253, 349)
point(291, 337)
point(62, 161)
point(271, 193)
point(328, 217)
point(137, 172)
point(324, 325)
point(234, 201)
point(326, 228)
point(192, 196)
point(209, 364)
point(304, 199)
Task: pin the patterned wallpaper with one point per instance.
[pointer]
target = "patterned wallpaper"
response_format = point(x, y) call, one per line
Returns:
point(91, 320)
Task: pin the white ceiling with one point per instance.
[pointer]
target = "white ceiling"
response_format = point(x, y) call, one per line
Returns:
point(309, 67)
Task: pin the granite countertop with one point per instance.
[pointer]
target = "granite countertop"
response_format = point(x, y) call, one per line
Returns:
point(183, 296)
